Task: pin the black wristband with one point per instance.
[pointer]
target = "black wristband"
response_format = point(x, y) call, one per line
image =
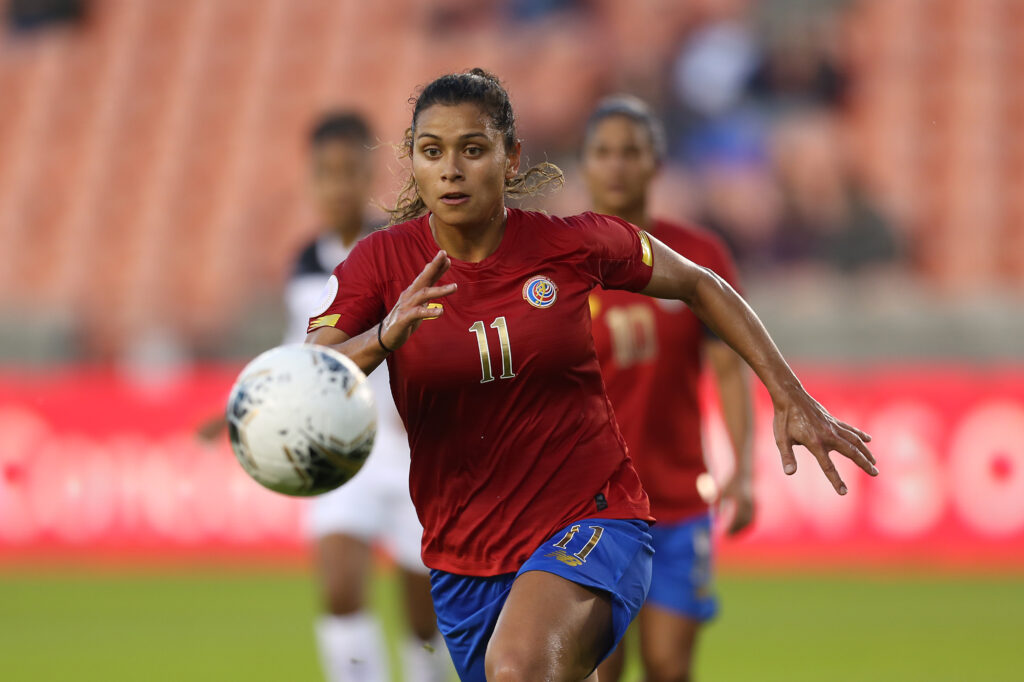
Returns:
point(380, 340)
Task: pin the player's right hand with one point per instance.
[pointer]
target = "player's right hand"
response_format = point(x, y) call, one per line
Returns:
point(412, 306)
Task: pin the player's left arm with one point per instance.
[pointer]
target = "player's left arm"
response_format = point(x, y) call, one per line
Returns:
point(733, 383)
point(799, 419)
point(369, 349)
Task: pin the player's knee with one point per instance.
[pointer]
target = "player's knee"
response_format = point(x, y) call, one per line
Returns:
point(512, 662)
point(677, 676)
point(423, 629)
point(520, 663)
point(668, 669)
point(341, 599)
point(506, 669)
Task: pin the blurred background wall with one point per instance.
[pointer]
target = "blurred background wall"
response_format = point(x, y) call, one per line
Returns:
point(864, 159)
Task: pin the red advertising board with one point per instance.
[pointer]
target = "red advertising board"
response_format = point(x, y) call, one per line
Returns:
point(94, 465)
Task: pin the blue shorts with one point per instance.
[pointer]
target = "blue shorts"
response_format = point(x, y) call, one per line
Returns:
point(682, 580)
point(618, 564)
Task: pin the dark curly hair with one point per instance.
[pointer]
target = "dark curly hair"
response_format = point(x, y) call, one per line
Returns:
point(485, 90)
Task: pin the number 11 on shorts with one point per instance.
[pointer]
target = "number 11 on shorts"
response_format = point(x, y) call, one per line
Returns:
point(595, 537)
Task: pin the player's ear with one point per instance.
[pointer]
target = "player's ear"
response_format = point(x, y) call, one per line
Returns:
point(512, 161)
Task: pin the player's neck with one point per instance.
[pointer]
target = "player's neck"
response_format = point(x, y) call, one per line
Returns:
point(471, 244)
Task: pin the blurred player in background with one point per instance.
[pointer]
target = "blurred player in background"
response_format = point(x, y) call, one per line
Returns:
point(373, 508)
point(651, 353)
point(535, 521)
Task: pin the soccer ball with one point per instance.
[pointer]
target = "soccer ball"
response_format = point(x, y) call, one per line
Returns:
point(301, 419)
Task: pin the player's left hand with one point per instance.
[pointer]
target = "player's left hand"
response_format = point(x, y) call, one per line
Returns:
point(739, 494)
point(413, 306)
point(801, 420)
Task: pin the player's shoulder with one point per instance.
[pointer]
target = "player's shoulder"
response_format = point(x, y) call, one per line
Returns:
point(566, 231)
point(400, 233)
point(589, 220)
point(393, 238)
point(573, 223)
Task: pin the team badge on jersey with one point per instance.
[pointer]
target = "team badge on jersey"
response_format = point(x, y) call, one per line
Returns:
point(540, 292)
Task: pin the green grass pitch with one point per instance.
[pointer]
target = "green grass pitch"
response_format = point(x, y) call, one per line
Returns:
point(256, 625)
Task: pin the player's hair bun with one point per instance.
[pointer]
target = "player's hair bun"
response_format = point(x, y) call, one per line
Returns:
point(477, 71)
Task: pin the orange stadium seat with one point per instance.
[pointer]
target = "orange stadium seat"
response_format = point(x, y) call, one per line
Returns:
point(151, 160)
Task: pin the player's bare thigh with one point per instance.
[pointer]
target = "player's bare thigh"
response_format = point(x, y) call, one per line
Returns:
point(549, 629)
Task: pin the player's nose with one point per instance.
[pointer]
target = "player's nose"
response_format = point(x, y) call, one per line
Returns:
point(451, 170)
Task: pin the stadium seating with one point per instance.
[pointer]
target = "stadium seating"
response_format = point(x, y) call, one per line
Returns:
point(151, 158)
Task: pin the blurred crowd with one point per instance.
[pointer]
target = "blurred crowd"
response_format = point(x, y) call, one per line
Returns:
point(756, 151)
point(146, 143)
point(753, 96)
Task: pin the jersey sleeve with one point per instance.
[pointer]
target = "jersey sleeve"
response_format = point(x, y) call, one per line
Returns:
point(618, 254)
point(352, 300)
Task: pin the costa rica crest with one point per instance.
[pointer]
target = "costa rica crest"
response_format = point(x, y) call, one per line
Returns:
point(540, 292)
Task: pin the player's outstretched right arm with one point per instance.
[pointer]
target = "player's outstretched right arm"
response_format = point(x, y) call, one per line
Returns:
point(370, 348)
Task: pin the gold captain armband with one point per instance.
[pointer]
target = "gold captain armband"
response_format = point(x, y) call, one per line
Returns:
point(647, 255)
point(323, 321)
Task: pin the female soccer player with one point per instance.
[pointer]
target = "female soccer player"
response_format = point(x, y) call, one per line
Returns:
point(651, 355)
point(535, 522)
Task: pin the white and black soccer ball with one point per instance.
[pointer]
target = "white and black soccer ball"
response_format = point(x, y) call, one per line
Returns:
point(302, 419)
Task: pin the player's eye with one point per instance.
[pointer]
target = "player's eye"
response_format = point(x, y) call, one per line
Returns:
point(431, 152)
point(474, 151)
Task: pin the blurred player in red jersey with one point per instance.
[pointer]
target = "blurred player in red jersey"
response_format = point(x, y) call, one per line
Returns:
point(535, 522)
point(651, 353)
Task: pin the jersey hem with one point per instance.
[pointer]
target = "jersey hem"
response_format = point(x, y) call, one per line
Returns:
point(475, 569)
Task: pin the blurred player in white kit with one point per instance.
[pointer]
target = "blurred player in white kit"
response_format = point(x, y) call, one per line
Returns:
point(374, 508)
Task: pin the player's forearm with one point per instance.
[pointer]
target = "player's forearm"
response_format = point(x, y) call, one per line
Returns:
point(725, 313)
point(363, 349)
point(733, 321)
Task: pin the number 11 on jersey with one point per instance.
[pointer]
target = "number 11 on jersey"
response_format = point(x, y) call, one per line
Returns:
point(485, 354)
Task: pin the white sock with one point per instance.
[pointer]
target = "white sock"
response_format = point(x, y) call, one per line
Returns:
point(426, 661)
point(351, 648)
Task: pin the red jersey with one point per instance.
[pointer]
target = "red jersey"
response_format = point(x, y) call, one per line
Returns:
point(650, 354)
point(511, 433)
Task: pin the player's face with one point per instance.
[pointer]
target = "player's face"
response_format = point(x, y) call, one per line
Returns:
point(342, 178)
point(460, 165)
point(618, 165)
